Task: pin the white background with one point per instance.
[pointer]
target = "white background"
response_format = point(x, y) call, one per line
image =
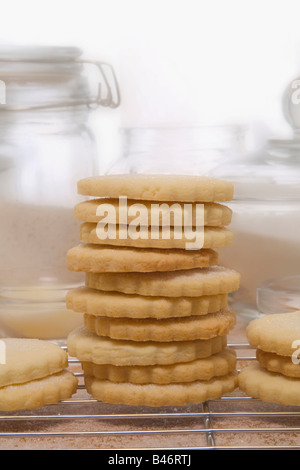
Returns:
point(177, 61)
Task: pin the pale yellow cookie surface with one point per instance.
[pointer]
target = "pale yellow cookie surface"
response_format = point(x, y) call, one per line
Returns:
point(174, 329)
point(97, 258)
point(258, 382)
point(214, 237)
point(183, 188)
point(88, 347)
point(215, 215)
point(39, 392)
point(218, 364)
point(191, 283)
point(275, 333)
point(29, 359)
point(118, 305)
point(280, 364)
point(160, 395)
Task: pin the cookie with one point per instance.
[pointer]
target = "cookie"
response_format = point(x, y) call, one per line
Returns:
point(160, 395)
point(216, 365)
point(94, 258)
point(258, 382)
point(117, 305)
point(88, 347)
point(275, 332)
point(38, 392)
point(215, 214)
point(183, 188)
point(191, 283)
point(172, 329)
point(280, 364)
point(214, 237)
point(30, 359)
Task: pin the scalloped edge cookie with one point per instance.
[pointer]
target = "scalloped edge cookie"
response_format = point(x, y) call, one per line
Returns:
point(160, 395)
point(103, 258)
point(218, 364)
point(178, 329)
point(117, 305)
point(190, 283)
point(183, 188)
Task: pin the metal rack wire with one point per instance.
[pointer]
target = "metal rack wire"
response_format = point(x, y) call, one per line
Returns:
point(231, 422)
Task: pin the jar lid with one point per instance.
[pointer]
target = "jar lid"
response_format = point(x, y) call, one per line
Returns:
point(53, 77)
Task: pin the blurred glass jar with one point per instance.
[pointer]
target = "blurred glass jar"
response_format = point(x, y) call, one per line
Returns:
point(46, 146)
point(266, 204)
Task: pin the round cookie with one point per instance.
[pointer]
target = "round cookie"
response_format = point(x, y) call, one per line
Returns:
point(30, 359)
point(215, 215)
point(117, 305)
point(183, 188)
point(160, 395)
point(171, 329)
point(39, 392)
point(216, 365)
point(103, 258)
point(275, 333)
point(191, 283)
point(280, 364)
point(88, 347)
point(214, 237)
point(258, 382)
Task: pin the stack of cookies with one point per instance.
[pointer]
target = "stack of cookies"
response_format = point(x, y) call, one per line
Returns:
point(275, 375)
point(33, 373)
point(155, 314)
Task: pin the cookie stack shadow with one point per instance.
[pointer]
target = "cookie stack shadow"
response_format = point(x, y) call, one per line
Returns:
point(155, 315)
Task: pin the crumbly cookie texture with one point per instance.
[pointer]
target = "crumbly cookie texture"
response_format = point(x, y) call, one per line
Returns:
point(258, 382)
point(216, 365)
point(215, 214)
point(275, 333)
point(88, 347)
point(183, 188)
point(191, 283)
point(178, 329)
point(103, 258)
point(213, 237)
point(160, 395)
point(280, 364)
point(30, 359)
point(39, 392)
point(118, 305)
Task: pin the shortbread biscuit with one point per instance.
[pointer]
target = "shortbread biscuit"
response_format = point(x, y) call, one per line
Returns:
point(88, 347)
point(160, 395)
point(216, 365)
point(280, 364)
point(97, 258)
point(183, 188)
point(161, 214)
point(214, 237)
point(258, 382)
point(191, 283)
point(117, 305)
point(29, 359)
point(171, 329)
point(275, 333)
point(39, 392)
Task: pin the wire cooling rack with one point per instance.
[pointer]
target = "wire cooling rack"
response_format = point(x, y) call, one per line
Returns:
point(234, 421)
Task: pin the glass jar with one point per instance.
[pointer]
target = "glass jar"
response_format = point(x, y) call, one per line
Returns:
point(46, 146)
point(266, 204)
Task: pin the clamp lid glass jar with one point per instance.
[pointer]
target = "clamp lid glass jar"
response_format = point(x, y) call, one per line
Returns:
point(46, 146)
